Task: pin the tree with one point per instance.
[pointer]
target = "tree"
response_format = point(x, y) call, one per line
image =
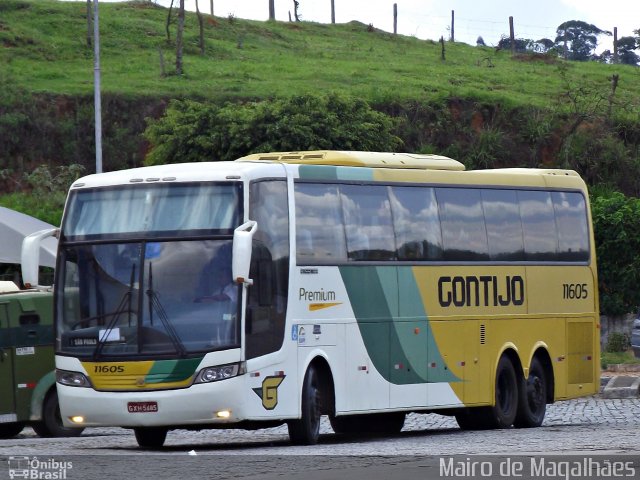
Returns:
point(543, 45)
point(89, 24)
point(616, 224)
point(579, 38)
point(522, 44)
point(179, 39)
point(626, 54)
point(195, 132)
point(296, 5)
point(200, 29)
point(480, 42)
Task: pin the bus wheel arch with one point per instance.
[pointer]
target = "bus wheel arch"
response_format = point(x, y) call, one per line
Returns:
point(317, 399)
point(51, 424)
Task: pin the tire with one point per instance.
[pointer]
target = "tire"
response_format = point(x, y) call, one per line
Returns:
point(306, 430)
point(51, 424)
point(376, 423)
point(503, 413)
point(10, 430)
point(150, 437)
point(532, 403)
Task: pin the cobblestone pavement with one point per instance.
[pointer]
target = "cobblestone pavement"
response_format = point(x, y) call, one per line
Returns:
point(590, 425)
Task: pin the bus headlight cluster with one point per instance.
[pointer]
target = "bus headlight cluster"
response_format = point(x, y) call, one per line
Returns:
point(214, 374)
point(72, 379)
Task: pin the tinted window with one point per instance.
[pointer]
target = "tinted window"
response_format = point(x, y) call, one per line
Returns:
point(319, 228)
point(267, 302)
point(416, 223)
point(539, 226)
point(571, 219)
point(367, 220)
point(463, 231)
point(504, 230)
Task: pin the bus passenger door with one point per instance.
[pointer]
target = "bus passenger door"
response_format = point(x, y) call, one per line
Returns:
point(7, 386)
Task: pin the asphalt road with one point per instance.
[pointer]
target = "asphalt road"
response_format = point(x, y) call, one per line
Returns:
point(604, 432)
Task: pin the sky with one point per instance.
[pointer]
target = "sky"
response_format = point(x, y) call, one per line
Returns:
point(430, 19)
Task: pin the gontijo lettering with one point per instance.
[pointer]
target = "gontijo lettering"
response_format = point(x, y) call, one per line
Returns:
point(316, 295)
point(485, 291)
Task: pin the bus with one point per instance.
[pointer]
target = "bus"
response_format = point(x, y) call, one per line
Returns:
point(282, 287)
point(27, 368)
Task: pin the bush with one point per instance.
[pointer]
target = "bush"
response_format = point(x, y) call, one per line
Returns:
point(616, 223)
point(195, 132)
point(618, 342)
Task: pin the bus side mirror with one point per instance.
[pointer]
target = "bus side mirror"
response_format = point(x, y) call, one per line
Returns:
point(242, 245)
point(30, 256)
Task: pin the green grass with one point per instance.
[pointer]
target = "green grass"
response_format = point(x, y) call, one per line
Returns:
point(614, 358)
point(42, 48)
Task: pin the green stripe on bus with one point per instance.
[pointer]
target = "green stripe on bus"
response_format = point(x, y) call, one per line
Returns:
point(172, 370)
point(396, 333)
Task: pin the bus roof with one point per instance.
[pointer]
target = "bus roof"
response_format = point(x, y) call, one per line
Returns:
point(360, 159)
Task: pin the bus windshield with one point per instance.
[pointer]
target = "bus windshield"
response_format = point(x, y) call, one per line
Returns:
point(148, 285)
point(160, 209)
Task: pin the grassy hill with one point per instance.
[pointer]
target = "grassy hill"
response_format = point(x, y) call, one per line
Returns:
point(43, 49)
point(485, 107)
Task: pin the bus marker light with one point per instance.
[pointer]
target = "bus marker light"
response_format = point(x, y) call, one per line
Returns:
point(77, 419)
point(223, 414)
point(416, 330)
point(278, 373)
point(254, 374)
point(362, 368)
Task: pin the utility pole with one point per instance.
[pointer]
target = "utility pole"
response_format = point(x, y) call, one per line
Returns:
point(395, 18)
point(272, 10)
point(333, 12)
point(512, 36)
point(615, 46)
point(453, 37)
point(97, 102)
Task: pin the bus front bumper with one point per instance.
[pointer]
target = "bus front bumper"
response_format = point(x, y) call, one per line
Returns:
point(219, 402)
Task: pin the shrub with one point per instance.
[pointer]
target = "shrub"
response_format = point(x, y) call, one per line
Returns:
point(617, 342)
point(194, 132)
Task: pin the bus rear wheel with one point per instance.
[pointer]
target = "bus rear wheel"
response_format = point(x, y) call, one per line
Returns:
point(51, 424)
point(532, 403)
point(306, 430)
point(503, 413)
point(10, 430)
point(150, 437)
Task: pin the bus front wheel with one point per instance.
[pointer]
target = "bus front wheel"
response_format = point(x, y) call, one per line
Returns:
point(51, 424)
point(150, 437)
point(306, 430)
point(532, 403)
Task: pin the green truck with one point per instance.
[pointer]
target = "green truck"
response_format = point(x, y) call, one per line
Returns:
point(27, 371)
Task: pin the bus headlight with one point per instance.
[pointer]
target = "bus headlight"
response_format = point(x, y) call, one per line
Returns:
point(72, 379)
point(214, 374)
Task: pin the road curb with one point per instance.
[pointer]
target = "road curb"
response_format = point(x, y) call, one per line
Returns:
point(620, 386)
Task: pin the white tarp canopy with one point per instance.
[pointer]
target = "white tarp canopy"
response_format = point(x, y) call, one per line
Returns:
point(14, 226)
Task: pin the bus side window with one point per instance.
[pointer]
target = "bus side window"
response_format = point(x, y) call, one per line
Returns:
point(267, 297)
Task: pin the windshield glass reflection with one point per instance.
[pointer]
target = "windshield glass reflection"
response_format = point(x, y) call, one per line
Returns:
point(147, 298)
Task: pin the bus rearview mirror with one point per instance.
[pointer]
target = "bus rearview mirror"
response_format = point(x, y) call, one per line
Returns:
point(242, 245)
point(30, 256)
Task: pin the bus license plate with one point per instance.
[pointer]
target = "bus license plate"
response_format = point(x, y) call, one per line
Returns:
point(142, 407)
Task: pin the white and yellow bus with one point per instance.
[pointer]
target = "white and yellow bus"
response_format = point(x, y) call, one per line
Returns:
point(286, 286)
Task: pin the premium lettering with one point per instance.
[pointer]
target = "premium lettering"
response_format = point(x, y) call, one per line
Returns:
point(316, 295)
point(483, 291)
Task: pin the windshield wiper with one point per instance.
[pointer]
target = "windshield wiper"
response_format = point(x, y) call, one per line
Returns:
point(122, 307)
point(155, 304)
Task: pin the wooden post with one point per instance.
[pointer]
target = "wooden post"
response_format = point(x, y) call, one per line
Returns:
point(272, 10)
point(615, 47)
point(395, 18)
point(211, 2)
point(442, 43)
point(333, 12)
point(512, 36)
point(453, 37)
